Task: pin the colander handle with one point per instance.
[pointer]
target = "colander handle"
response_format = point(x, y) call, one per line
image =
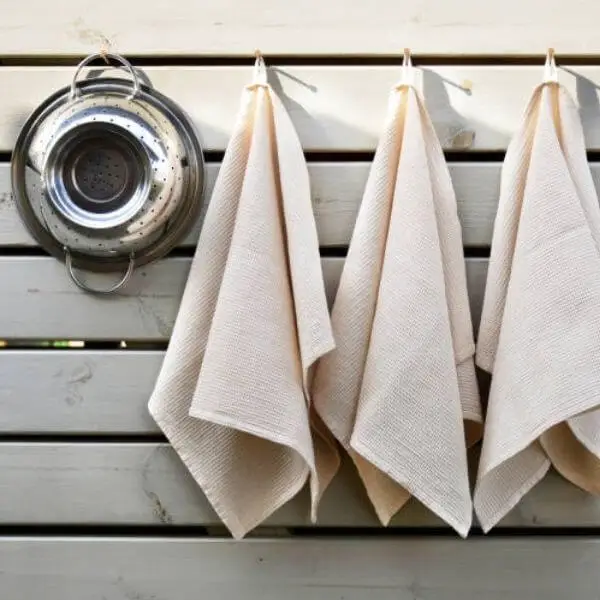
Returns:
point(116, 57)
point(86, 288)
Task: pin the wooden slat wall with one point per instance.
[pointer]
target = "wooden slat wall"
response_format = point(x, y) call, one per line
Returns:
point(94, 503)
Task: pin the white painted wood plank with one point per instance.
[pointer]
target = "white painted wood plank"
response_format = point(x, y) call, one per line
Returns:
point(333, 107)
point(206, 27)
point(135, 568)
point(146, 483)
point(82, 392)
point(77, 391)
point(39, 301)
point(337, 190)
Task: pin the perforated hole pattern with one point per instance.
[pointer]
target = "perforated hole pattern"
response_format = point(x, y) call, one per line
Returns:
point(101, 173)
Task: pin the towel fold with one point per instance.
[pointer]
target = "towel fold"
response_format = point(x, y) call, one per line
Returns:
point(232, 396)
point(540, 325)
point(401, 380)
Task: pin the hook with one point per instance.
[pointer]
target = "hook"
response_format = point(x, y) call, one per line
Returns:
point(550, 70)
point(407, 77)
point(407, 67)
point(260, 69)
point(105, 51)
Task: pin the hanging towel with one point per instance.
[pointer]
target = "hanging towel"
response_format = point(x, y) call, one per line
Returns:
point(231, 396)
point(401, 380)
point(540, 326)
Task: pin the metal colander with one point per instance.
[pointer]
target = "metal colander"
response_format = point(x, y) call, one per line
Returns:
point(108, 174)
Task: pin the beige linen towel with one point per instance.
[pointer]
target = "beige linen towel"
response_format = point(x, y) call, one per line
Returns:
point(402, 378)
point(232, 392)
point(540, 327)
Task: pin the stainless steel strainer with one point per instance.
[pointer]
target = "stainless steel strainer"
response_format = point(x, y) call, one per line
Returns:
point(108, 174)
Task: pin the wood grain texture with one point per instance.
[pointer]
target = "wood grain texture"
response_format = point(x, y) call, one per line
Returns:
point(206, 27)
point(39, 301)
point(334, 108)
point(81, 391)
point(337, 190)
point(146, 483)
point(299, 569)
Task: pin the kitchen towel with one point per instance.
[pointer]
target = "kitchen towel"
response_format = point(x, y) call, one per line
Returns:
point(540, 326)
point(396, 390)
point(231, 396)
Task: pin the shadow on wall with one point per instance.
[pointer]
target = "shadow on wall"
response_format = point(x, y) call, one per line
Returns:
point(456, 132)
point(323, 127)
point(453, 129)
point(587, 96)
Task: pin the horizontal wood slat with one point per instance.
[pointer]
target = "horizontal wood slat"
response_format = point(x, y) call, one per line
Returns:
point(300, 569)
point(334, 108)
point(77, 391)
point(337, 190)
point(146, 483)
point(310, 27)
point(39, 300)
